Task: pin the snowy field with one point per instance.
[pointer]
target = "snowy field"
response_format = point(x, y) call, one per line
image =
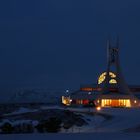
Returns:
point(120, 119)
point(123, 119)
point(89, 136)
point(108, 123)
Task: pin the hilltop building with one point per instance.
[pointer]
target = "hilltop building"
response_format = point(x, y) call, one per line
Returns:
point(111, 89)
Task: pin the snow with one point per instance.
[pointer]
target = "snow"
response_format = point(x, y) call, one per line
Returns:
point(98, 127)
point(34, 123)
point(122, 118)
point(80, 136)
point(22, 110)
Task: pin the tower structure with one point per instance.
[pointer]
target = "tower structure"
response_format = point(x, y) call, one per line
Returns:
point(123, 97)
point(113, 60)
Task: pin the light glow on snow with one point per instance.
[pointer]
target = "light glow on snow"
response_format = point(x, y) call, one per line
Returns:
point(98, 108)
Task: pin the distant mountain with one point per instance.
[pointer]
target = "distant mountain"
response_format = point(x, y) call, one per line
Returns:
point(35, 96)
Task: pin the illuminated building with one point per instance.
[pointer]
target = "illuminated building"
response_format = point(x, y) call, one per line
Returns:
point(111, 89)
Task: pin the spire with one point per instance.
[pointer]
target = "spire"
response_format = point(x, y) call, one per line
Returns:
point(113, 60)
point(108, 48)
point(107, 79)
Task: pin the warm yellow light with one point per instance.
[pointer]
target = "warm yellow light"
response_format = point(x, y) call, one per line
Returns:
point(115, 103)
point(135, 101)
point(112, 81)
point(98, 108)
point(102, 77)
point(66, 100)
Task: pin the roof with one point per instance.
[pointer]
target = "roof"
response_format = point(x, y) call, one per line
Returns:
point(116, 96)
point(84, 95)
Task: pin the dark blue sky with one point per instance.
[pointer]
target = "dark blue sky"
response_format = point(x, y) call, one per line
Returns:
point(62, 43)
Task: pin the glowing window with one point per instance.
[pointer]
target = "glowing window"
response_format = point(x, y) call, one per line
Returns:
point(102, 77)
point(115, 103)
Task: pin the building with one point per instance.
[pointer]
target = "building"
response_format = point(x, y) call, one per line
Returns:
point(111, 89)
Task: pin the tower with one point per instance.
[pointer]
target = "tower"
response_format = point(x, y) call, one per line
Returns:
point(122, 97)
point(113, 60)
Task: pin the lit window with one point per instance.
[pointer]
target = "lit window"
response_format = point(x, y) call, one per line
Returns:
point(102, 77)
point(112, 81)
point(115, 103)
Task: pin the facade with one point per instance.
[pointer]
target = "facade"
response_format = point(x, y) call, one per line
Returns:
point(111, 89)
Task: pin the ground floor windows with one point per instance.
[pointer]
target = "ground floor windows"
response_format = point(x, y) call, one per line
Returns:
point(83, 102)
point(115, 103)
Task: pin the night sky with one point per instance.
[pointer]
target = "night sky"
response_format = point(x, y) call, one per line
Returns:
point(60, 44)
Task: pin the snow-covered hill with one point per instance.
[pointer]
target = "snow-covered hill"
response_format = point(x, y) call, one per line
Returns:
point(35, 96)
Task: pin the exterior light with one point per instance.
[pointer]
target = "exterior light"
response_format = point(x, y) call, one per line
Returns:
point(98, 101)
point(89, 93)
point(98, 108)
point(70, 100)
point(135, 101)
point(67, 91)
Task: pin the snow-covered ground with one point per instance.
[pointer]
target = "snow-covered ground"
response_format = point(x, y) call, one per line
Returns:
point(22, 110)
point(120, 118)
point(98, 127)
point(123, 118)
point(80, 136)
point(19, 122)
